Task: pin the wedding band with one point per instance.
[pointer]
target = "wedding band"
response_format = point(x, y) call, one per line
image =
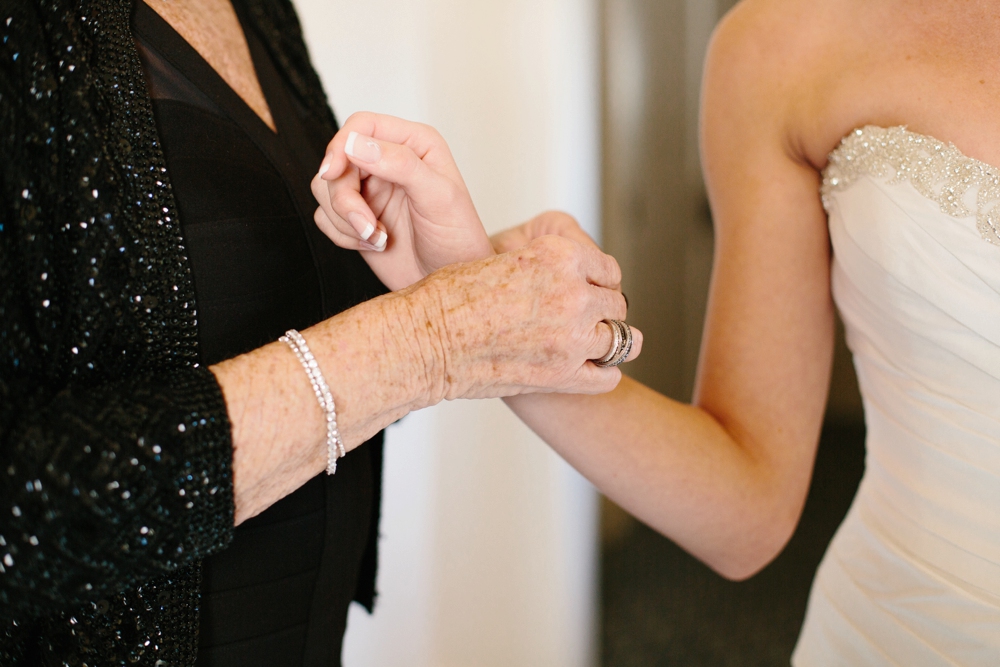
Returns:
point(627, 347)
point(620, 348)
point(616, 344)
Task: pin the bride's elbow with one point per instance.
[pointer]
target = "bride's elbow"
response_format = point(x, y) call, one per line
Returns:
point(743, 566)
point(744, 555)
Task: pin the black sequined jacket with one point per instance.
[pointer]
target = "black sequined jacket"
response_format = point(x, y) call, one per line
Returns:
point(115, 451)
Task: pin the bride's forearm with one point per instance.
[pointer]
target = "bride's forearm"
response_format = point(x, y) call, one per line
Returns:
point(675, 467)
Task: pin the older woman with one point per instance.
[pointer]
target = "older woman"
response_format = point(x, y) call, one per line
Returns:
point(156, 241)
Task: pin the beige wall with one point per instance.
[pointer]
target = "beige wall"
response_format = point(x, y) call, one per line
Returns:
point(489, 540)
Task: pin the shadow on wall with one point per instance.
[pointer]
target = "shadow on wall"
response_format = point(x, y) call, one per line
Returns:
point(660, 606)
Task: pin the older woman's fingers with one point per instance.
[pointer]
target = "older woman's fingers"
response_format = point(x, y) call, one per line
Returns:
point(590, 263)
point(561, 224)
point(604, 304)
point(591, 379)
point(511, 239)
point(636, 345)
point(609, 302)
point(601, 269)
point(604, 341)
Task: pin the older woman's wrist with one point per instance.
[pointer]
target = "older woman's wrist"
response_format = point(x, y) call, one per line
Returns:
point(416, 326)
point(383, 360)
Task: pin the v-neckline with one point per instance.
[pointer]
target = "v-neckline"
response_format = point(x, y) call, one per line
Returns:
point(171, 45)
point(281, 147)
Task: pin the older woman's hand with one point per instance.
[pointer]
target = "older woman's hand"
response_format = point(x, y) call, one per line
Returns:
point(550, 223)
point(390, 188)
point(527, 321)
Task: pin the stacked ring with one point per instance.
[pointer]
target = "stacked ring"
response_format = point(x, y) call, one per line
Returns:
point(616, 344)
point(621, 347)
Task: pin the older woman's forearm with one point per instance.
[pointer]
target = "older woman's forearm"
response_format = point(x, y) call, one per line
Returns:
point(378, 368)
point(516, 323)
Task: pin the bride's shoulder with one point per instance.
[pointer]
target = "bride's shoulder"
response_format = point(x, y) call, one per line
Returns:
point(772, 67)
point(778, 37)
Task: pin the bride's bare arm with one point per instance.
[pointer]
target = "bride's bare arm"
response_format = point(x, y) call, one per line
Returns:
point(726, 477)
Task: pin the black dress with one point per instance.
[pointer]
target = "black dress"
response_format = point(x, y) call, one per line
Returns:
point(280, 594)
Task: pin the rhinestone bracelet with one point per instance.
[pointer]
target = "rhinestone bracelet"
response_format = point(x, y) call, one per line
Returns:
point(334, 443)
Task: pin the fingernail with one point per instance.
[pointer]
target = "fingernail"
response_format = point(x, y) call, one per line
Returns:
point(363, 148)
point(361, 225)
point(380, 239)
point(323, 168)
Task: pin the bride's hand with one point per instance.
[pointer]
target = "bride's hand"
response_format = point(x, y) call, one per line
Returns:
point(550, 223)
point(390, 188)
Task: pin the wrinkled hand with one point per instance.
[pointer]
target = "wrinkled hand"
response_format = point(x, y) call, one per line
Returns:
point(390, 188)
point(526, 321)
point(555, 223)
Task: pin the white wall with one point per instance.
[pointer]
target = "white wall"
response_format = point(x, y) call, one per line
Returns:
point(489, 540)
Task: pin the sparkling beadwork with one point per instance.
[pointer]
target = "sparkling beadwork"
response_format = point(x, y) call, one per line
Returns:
point(87, 223)
point(960, 185)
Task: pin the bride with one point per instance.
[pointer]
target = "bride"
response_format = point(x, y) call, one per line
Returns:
point(849, 149)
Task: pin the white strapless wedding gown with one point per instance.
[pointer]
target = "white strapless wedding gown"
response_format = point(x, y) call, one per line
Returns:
point(912, 577)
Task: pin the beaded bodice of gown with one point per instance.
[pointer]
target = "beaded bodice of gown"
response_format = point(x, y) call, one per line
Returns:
point(913, 575)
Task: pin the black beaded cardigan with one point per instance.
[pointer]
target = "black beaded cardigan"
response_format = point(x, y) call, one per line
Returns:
point(115, 450)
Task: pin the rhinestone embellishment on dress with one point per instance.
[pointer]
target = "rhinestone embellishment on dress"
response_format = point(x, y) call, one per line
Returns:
point(937, 170)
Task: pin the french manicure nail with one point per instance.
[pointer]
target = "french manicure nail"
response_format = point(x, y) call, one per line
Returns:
point(361, 225)
point(380, 240)
point(325, 167)
point(363, 148)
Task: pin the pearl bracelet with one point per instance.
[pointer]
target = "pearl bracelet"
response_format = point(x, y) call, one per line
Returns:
point(334, 444)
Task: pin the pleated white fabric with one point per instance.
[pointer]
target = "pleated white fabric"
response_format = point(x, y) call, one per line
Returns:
point(912, 577)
